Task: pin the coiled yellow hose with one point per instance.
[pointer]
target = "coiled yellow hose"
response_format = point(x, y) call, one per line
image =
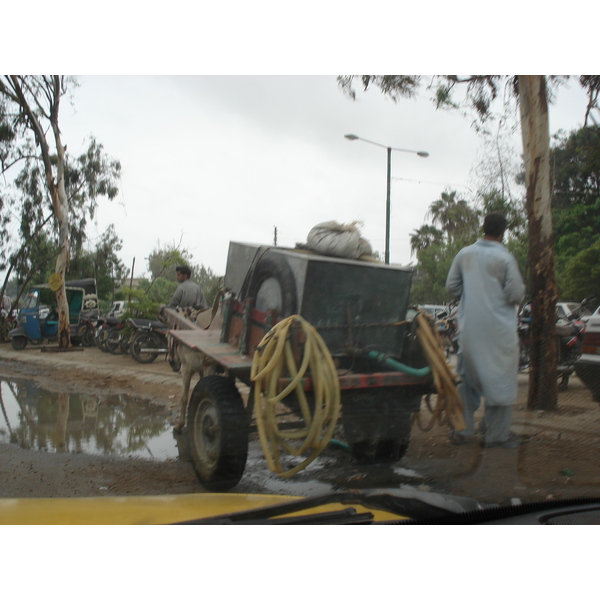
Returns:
point(448, 409)
point(274, 357)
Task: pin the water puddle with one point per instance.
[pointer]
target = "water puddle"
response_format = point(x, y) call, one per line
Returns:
point(110, 425)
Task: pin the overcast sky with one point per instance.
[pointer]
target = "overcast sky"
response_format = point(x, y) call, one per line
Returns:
point(210, 159)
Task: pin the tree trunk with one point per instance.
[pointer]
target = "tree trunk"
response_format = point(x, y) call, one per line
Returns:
point(60, 204)
point(543, 392)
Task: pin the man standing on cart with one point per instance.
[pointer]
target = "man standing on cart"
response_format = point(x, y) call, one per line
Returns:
point(188, 294)
point(485, 278)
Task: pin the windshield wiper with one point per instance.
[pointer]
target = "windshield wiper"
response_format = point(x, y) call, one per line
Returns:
point(411, 505)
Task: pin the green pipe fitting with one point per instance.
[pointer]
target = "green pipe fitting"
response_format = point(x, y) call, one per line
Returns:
point(398, 366)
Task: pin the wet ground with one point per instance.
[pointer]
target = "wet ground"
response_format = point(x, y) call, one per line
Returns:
point(89, 423)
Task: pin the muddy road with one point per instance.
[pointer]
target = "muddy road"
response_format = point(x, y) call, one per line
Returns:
point(559, 460)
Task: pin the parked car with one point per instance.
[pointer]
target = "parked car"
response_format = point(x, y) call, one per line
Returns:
point(117, 308)
point(568, 310)
point(588, 366)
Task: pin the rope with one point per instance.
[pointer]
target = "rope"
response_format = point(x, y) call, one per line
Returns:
point(448, 409)
point(273, 357)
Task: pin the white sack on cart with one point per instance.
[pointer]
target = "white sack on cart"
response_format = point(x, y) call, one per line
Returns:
point(335, 239)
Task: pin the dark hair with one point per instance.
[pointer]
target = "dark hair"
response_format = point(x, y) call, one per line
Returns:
point(184, 270)
point(494, 225)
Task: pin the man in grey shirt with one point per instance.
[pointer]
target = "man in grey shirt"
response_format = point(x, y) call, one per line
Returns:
point(188, 294)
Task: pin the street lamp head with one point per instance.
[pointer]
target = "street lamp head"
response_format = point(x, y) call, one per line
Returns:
point(351, 137)
point(423, 154)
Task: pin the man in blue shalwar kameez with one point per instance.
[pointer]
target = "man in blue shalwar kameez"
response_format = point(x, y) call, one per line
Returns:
point(486, 279)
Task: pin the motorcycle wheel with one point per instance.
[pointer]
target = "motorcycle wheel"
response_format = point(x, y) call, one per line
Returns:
point(523, 357)
point(113, 341)
point(88, 337)
point(99, 339)
point(125, 340)
point(141, 343)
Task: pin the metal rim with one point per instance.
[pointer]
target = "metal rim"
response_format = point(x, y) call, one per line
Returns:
point(207, 433)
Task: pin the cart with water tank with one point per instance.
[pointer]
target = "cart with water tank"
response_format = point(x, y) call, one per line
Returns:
point(359, 310)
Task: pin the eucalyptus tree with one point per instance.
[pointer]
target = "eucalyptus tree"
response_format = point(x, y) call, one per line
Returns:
point(532, 92)
point(49, 182)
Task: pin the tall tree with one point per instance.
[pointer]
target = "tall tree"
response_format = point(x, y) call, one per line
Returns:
point(454, 216)
point(49, 183)
point(424, 237)
point(533, 96)
point(480, 92)
point(38, 100)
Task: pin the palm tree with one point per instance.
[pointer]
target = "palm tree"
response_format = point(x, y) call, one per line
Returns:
point(424, 237)
point(455, 217)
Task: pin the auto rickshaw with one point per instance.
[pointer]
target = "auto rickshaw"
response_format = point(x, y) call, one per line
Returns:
point(38, 319)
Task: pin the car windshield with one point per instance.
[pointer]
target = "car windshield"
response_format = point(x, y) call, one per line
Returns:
point(411, 345)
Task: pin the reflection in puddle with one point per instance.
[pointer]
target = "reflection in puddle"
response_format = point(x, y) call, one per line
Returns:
point(117, 425)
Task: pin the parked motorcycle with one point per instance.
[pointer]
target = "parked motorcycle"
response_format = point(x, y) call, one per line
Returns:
point(569, 331)
point(448, 330)
point(107, 326)
point(523, 330)
point(148, 339)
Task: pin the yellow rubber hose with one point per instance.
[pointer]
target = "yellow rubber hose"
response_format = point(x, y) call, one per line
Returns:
point(448, 409)
point(273, 359)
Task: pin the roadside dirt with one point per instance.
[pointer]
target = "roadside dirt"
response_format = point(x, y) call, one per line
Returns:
point(559, 460)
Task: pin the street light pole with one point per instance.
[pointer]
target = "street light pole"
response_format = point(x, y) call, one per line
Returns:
point(352, 137)
point(388, 206)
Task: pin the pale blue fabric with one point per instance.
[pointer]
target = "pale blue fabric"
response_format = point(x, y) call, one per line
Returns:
point(486, 278)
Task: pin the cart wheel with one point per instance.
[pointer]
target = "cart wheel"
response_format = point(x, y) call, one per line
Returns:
point(18, 342)
point(217, 433)
point(140, 345)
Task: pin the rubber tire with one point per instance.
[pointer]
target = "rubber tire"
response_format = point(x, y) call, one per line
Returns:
point(217, 431)
point(124, 343)
point(144, 339)
point(275, 266)
point(523, 357)
point(99, 340)
point(18, 342)
point(87, 339)
point(112, 343)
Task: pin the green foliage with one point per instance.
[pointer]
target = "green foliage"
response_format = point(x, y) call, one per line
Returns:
point(103, 263)
point(208, 282)
point(140, 305)
point(582, 274)
point(494, 201)
point(455, 217)
point(575, 168)
point(159, 290)
point(436, 248)
point(162, 262)
point(575, 164)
